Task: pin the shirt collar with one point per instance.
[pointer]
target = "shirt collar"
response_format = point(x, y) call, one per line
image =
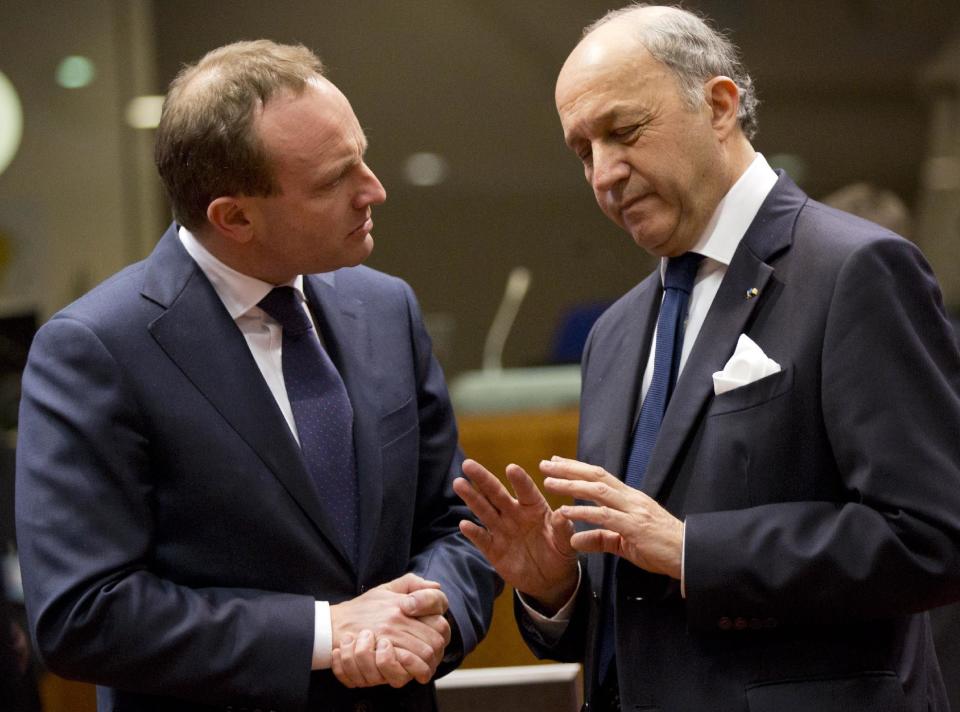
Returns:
point(238, 292)
point(736, 210)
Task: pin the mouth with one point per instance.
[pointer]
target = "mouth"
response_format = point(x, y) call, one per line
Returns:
point(629, 203)
point(363, 228)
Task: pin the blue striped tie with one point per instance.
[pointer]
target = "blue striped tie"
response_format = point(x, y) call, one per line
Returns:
point(321, 411)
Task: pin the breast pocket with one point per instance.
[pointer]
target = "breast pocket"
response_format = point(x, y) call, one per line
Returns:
point(754, 394)
point(750, 445)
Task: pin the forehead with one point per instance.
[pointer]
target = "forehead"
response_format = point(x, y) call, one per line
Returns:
point(316, 123)
point(599, 84)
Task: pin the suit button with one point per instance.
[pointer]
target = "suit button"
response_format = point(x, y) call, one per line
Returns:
point(740, 623)
point(725, 623)
point(596, 595)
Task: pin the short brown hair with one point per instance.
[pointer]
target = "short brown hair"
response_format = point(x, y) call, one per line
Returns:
point(206, 144)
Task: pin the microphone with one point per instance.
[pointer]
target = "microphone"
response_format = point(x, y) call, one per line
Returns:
point(518, 282)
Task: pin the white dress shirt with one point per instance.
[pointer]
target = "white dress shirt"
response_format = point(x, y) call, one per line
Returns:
point(717, 244)
point(240, 295)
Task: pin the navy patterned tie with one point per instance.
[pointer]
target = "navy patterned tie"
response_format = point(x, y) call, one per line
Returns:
point(677, 285)
point(321, 411)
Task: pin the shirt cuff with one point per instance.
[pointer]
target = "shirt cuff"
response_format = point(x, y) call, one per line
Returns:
point(552, 627)
point(322, 636)
point(683, 563)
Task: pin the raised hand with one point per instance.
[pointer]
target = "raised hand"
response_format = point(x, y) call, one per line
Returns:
point(632, 524)
point(526, 541)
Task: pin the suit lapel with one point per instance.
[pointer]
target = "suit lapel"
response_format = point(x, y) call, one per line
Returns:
point(346, 336)
point(623, 374)
point(197, 333)
point(729, 316)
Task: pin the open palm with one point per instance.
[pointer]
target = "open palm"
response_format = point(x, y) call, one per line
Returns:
point(526, 541)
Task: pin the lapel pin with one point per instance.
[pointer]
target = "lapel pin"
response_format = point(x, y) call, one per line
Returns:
point(752, 292)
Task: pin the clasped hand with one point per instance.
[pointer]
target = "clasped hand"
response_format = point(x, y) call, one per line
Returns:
point(391, 634)
point(534, 547)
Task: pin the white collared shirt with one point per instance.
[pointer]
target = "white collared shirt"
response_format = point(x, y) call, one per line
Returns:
point(240, 295)
point(719, 241)
point(717, 244)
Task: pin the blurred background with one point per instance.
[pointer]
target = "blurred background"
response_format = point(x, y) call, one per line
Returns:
point(456, 97)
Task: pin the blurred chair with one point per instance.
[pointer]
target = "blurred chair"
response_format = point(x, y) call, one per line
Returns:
point(572, 331)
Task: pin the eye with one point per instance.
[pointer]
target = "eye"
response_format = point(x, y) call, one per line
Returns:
point(585, 155)
point(625, 131)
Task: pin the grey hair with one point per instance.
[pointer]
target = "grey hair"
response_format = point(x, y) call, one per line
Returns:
point(695, 52)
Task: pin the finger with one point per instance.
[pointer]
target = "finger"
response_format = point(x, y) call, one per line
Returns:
point(336, 665)
point(441, 625)
point(488, 485)
point(414, 665)
point(364, 652)
point(408, 583)
point(424, 644)
point(479, 537)
point(477, 501)
point(431, 633)
point(562, 531)
point(528, 494)
point(426, 602)
point(603, 516)
point(596, 541)
point(565, 468)
point(351, 676)
point(603, 493)
point(389, 666)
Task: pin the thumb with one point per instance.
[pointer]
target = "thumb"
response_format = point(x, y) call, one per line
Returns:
point(408, 583)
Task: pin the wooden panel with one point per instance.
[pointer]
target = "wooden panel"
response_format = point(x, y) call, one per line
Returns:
point(523, 439)
point(59, 695)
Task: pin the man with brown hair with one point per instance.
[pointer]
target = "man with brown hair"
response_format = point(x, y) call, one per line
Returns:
point(235, 457)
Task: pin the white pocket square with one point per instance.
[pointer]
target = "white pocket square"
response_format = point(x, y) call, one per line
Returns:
point(748, 364)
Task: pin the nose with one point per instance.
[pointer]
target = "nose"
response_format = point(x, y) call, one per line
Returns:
point(608, 169)
point(371, 190)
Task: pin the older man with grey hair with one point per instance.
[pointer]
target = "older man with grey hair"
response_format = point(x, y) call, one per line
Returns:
point(768, 473)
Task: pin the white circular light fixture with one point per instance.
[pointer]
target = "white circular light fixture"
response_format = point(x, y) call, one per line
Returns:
point(11, 122)
point(425, 169)
point(143, 112)
point(75, 72)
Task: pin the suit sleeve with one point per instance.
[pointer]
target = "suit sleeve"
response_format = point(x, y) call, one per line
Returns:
point(441, 552)
point(85, 529)
point(889, 543)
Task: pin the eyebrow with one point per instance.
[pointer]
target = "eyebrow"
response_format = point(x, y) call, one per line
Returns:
point(610, 115)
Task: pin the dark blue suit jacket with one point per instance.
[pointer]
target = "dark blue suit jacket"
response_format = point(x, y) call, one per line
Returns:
point(822, 503)
point(171, 542)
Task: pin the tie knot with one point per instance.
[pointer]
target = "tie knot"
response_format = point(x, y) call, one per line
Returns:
point(283, 305)
point(681, 271)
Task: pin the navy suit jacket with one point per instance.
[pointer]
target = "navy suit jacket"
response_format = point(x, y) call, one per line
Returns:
point(822, 503)
point(172, 544)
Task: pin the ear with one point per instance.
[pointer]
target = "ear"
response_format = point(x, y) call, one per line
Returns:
point(228, 217)
point(723, 98)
